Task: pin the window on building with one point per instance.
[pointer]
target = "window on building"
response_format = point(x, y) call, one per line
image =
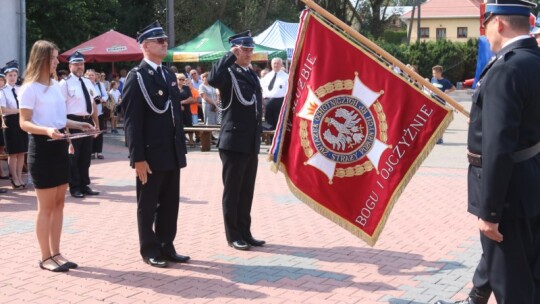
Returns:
point(424, 32)
point(441, 33)
point(462, 32)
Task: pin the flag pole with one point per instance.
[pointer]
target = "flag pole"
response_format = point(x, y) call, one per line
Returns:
point(377, 49)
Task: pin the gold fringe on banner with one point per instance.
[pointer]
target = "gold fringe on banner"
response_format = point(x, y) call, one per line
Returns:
point(317, 207)
point(347, 225)
point(410, 173)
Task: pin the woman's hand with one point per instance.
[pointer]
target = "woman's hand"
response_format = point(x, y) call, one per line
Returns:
point(55, 134)
point(84, 126)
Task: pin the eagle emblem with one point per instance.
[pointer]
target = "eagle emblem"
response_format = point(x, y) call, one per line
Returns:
point(348, 131)
point(344, 129)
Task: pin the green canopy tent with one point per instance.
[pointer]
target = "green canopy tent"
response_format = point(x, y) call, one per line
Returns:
point(212, 44)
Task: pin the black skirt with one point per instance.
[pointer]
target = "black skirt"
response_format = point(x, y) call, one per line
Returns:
point(2, 142)
point(48, 161)
point(16, 140)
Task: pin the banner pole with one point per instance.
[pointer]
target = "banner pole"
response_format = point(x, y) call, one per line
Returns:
point(377, 49)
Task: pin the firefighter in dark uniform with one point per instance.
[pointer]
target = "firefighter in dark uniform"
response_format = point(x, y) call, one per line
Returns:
point(79, 94)
point(157, 148)
point(504, 171)
point(240, 137)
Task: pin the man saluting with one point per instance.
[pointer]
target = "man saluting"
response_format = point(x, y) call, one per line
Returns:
point(239, 138)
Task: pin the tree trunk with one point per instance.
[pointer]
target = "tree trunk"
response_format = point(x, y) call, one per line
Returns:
point(264, 13)
point(354, 14)
point(222, 9)
point(377, 25)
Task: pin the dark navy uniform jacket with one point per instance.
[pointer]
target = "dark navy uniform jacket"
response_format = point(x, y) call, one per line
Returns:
point(505, 118)
point(154, 137)
point(240, 125)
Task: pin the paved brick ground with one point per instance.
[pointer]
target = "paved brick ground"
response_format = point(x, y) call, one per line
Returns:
point(428, 250)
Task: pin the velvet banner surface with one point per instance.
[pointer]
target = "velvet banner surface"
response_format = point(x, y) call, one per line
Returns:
point(353, 129)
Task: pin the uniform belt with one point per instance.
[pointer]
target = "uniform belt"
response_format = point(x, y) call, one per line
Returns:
point(79, 117)
point(474, 159)
point(518, 156)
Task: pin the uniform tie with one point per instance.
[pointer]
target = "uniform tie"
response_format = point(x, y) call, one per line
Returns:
point(160, 72)
point(15, 95)
point(271, 85)
point(86, 97)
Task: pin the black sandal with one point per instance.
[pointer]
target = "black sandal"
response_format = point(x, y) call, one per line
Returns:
point(68, 264)
point(60, 268)
point(16, 187)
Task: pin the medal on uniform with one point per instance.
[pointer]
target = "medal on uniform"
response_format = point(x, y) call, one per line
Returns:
point(238, 70)
point(160, 92)
point(151, 72)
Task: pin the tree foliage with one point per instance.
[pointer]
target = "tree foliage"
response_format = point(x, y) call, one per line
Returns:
point(457, 58)
point(75, 21)
point(133, 15)
point(192, 17)
point(70, 22)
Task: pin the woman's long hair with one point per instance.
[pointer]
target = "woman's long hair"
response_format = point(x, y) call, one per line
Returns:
point(40, 61)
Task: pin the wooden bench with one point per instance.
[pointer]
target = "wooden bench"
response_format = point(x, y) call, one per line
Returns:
point(205, 135)
point(267, 136)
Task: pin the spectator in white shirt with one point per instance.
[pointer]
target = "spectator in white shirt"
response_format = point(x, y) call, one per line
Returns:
point(274, 86)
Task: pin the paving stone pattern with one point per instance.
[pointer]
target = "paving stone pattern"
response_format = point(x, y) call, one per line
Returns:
point(428, 250)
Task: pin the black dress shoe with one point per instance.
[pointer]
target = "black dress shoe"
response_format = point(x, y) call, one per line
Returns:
point(176, 258)
point(89, 191)
point(239, 245)
point(155, 262)
point(254, 242)
point(77, 194)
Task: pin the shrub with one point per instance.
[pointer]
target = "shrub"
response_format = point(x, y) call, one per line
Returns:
point(457, 58)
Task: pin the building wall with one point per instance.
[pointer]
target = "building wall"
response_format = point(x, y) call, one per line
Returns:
point(451, 26)
point(9, 22)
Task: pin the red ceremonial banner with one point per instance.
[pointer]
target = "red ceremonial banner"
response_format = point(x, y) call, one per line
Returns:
point(353, 131)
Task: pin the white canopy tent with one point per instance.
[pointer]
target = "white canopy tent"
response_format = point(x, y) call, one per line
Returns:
point(280, 35)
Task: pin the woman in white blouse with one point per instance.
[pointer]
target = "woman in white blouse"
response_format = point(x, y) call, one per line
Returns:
point(43, 114)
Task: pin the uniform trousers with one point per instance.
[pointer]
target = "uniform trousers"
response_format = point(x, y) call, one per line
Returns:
point(79, 177)
point(272, 110)
point(97, 143)
point(239, 174)
point(511, 268)
point(157, 207)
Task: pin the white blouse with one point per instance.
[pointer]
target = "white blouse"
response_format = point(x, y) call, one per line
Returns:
point(47, 103)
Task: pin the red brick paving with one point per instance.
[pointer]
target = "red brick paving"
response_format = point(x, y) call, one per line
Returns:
point(308, 259)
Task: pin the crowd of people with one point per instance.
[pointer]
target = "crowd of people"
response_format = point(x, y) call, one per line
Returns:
point(54, 122)
point(158, 102)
